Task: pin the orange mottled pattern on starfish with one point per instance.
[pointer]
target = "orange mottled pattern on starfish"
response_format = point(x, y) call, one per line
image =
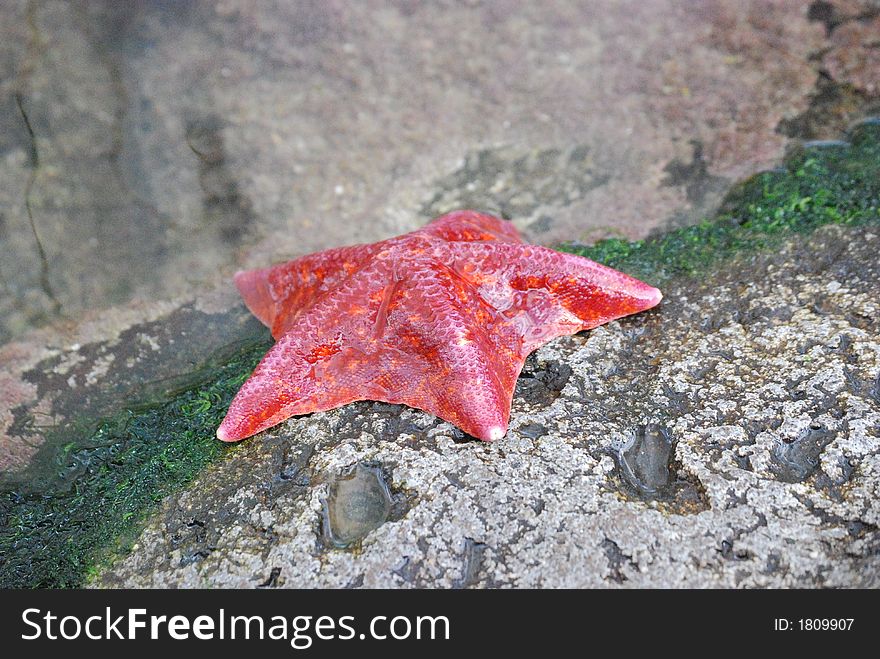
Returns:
point(440, 319)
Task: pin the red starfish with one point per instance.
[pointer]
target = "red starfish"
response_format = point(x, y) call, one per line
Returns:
point(441, 319)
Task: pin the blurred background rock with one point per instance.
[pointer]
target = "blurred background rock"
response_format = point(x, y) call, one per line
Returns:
point(151, 148)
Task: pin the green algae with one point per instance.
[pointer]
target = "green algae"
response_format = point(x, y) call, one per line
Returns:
point(820, 183)
point(58, 535)
point(111, 475)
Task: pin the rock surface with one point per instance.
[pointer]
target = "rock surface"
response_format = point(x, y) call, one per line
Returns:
point(146, 147)
point(60, 375)
point(749, 404)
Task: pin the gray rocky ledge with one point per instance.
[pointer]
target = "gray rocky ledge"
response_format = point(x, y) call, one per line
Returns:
point(730, 437)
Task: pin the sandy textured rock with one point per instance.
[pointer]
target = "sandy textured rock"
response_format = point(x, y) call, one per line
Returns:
point(765, 379)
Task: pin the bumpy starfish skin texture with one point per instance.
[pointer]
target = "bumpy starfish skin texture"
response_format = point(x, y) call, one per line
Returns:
point(440, 319)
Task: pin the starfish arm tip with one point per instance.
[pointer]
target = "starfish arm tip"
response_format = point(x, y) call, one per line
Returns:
point(222, 434)
point(496, 433)
point(655, 296)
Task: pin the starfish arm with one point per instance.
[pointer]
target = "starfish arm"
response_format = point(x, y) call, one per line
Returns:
point(447, 356)
point(323, 359)
point(418, 343)
point(276, 295)
point(544, 293)
point(470, 226)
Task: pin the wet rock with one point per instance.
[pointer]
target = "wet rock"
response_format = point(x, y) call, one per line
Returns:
point(832, 107)
point(617, 561)
point(357, 503)
point(535, 509)
point(532, 430)
point(272, 580)
point(649, 472)
point(644, 461)
point(541, 384)
point(796, 460)
point(56, 379)
point(473, 561)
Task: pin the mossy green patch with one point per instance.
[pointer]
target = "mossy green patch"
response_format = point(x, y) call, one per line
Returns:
point(820, 183)
point(108, 477)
